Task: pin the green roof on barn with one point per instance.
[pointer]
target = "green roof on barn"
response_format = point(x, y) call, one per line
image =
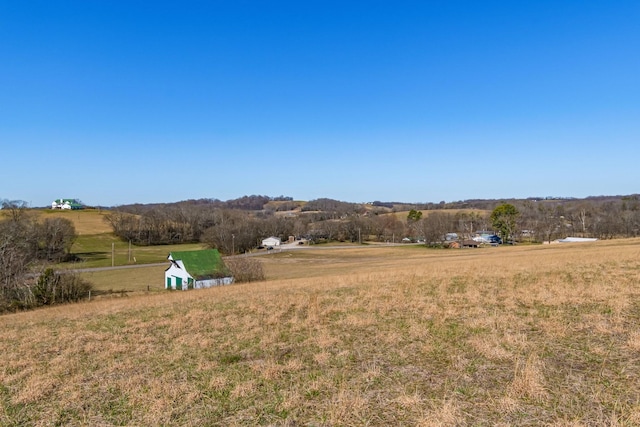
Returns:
point(203, 264)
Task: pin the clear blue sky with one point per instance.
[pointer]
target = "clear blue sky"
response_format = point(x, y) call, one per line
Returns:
point(116, 102)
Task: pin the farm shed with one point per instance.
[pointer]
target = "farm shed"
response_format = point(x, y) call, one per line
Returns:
point(469, 243)
point(196, 270)
point(271, 241)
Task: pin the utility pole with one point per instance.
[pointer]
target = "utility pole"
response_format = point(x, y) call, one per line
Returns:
point(113, 253)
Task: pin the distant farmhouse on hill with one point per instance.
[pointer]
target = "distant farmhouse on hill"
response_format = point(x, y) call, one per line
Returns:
point(66, 204)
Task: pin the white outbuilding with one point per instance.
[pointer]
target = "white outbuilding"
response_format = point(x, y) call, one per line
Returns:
point(271, 242)
point(577, 239)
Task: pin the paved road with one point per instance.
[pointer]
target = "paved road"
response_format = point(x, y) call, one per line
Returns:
point(281, 248)
point(117, 267)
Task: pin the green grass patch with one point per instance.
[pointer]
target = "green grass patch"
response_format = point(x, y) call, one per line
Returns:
point(147, 278)
point(104, 250)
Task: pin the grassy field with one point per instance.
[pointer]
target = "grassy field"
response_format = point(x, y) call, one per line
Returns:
point(86, 221)
point(96, 244)
point(535, 335)
point(101, 250)
point(142, 279)
point(402, 215)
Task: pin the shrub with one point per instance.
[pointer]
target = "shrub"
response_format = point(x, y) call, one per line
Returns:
point(53, 288)
point(245, 269)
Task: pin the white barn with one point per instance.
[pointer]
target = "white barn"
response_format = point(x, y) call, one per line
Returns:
point(196, 270)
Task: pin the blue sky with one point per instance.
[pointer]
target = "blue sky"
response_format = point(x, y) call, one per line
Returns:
point(116, 102)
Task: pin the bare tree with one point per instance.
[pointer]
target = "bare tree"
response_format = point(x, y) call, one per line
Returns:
point(435, 226)
point(16, 209)
point(469, 222)
point(233, 231)
point(55, 236)
point(550, 223)
point(14, 262)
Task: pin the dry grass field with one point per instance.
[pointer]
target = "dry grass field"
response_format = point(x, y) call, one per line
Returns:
point(86, 221)
point(96, 244)
point(532, 335)
point(402, 215)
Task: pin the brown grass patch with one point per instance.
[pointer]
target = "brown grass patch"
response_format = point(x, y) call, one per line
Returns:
point(85, 221)
point(367, 336)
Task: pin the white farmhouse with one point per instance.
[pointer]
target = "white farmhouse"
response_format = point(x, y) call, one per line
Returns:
point(66, 204)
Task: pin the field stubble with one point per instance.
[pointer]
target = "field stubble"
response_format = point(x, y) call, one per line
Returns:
point(391, 336)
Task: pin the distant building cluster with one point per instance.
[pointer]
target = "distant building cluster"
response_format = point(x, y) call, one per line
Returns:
point(70, 204)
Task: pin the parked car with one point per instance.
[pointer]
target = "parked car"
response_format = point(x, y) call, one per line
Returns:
point(495, 239)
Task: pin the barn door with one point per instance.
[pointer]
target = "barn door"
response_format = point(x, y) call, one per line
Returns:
point(179, 283)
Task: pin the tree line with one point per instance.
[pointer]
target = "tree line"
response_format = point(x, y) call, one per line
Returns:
point(538, 221)
point(27, 248)
point(231, 229)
